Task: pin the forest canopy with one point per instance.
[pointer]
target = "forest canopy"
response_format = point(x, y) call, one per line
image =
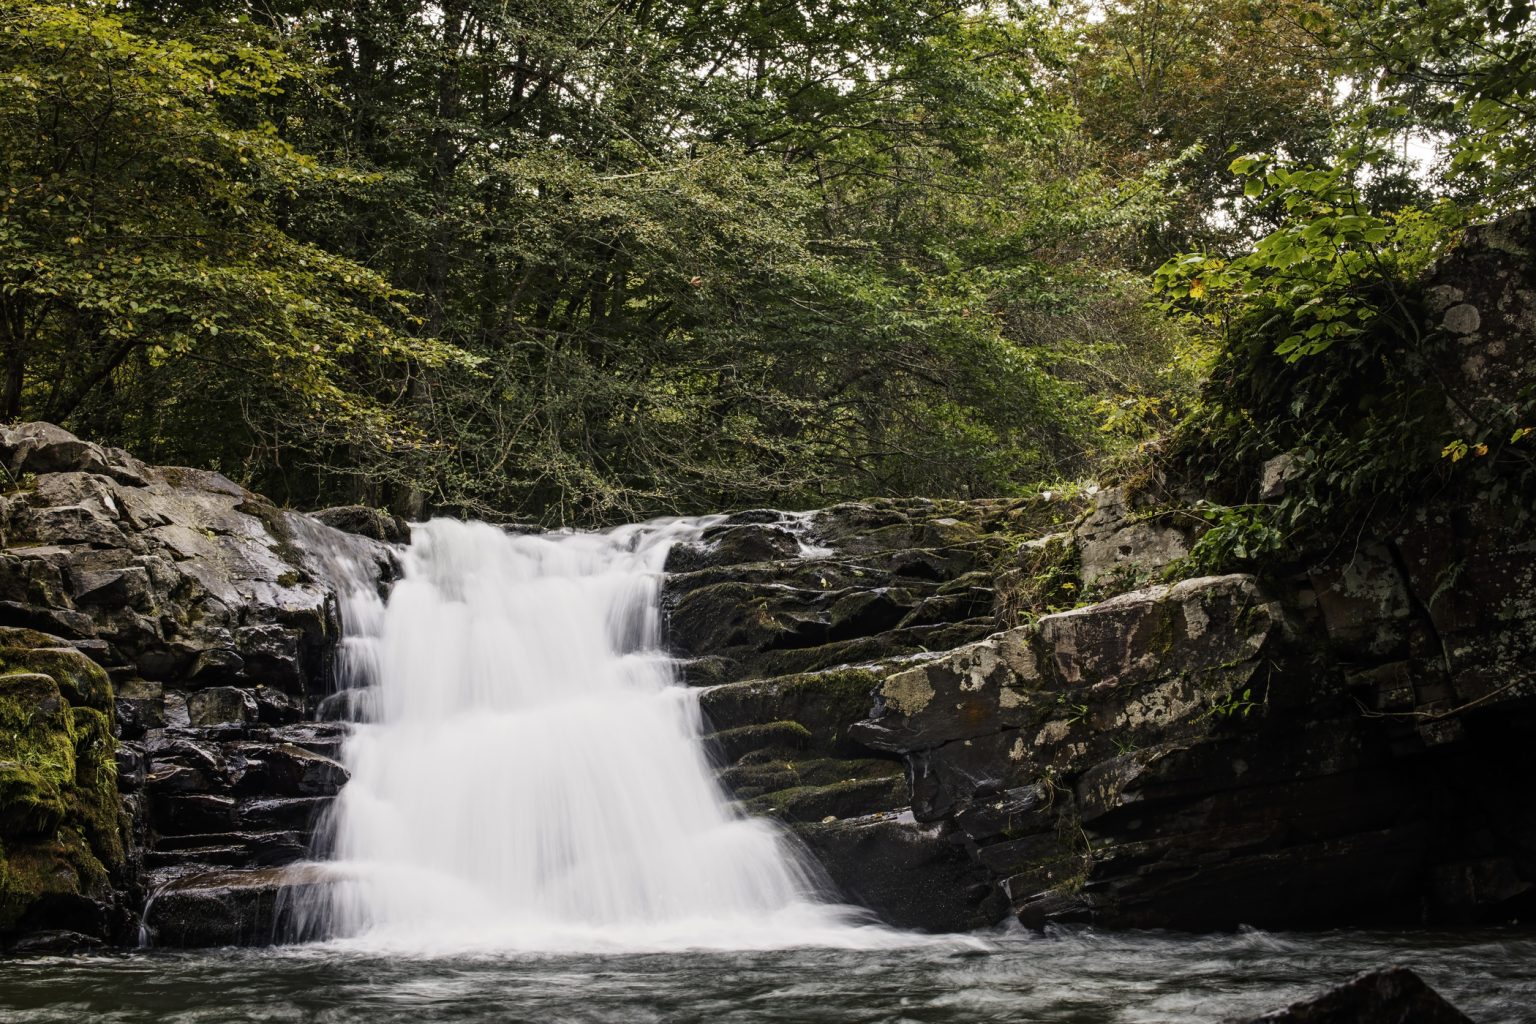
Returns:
point(581, 261)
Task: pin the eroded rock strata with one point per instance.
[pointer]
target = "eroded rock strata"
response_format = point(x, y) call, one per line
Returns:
point(1333, 747)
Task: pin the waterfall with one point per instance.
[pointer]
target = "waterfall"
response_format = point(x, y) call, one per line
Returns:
point(530, 774)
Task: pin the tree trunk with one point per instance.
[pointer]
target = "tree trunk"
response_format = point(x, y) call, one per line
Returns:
point(13, 335)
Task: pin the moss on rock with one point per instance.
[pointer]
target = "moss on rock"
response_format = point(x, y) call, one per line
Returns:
point(82, 682)
point(59, 808)
point(848, 798)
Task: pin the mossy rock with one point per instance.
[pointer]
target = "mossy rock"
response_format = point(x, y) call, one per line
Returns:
point(849, 798)
point(82, 682)
point(823, 704)
point(733, 743)
point(773, 770)
point(60, 838)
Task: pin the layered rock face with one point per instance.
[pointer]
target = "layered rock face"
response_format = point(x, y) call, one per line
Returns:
point(197, 622)
point(1344, 745)
point(791, 621)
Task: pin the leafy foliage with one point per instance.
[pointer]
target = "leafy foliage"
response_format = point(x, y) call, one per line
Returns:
point(142, 231)
point(583, 261)
point(1465, 71)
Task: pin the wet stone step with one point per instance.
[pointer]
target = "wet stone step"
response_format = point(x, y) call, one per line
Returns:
point(283, 769)
point(192, 813)
point(262, 848)
point(221, 856)
point(299, 813)
point(323, 738)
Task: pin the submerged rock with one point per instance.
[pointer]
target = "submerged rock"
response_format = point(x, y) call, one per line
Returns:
point(1394, 995)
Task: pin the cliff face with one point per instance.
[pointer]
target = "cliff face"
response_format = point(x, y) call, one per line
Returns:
point(1338, 746)
point(165, 635)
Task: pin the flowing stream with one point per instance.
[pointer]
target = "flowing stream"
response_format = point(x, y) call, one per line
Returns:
point(530, 775)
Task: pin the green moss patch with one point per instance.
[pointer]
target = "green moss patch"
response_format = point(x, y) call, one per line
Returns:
point(59, 807)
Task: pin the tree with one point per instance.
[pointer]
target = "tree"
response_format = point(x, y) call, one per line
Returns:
point(1459, 74)
point(145, 264)
point(1197, 82)
point(713, 254)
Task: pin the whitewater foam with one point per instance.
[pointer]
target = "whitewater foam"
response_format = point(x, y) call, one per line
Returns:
point(532, 776)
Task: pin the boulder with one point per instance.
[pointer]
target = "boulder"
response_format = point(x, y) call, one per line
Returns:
point(254, 907)
point(1183, 756)
point(911, 875)
point(1394, 995)
point(62, 861)
point(1120, 547)
point(169, 574)
point(221, 706)
point(373, 523)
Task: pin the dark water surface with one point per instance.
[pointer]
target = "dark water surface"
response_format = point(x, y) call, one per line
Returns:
point(1076, 976)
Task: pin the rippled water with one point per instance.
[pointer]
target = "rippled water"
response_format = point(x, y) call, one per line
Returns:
point(1078, 976)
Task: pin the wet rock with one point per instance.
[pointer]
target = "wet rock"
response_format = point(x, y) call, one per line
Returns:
point(221, 706)
point(140, 706)
point(216, 614)
point(216, 664)
point(55, 942)
point(735, 543)
point(912, 876)
point(355, 704)
point(324, 738)
point(280, 813)
point(231, 908)
point(848, 798)
point(271, 848)
point(131, 773)
point(274, 707)
point(174, 706)
point(181, 574)
point(1394, 995)
point(194, 813)
point(373, 523)
point(285, 770)
point(823, 704)
point(273, 654)
point(61, 622)
point(114, 588)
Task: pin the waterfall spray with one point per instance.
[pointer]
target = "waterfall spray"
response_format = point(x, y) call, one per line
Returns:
point(532, 776)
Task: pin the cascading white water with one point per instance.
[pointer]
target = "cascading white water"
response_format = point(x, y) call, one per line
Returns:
point(530, 775)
